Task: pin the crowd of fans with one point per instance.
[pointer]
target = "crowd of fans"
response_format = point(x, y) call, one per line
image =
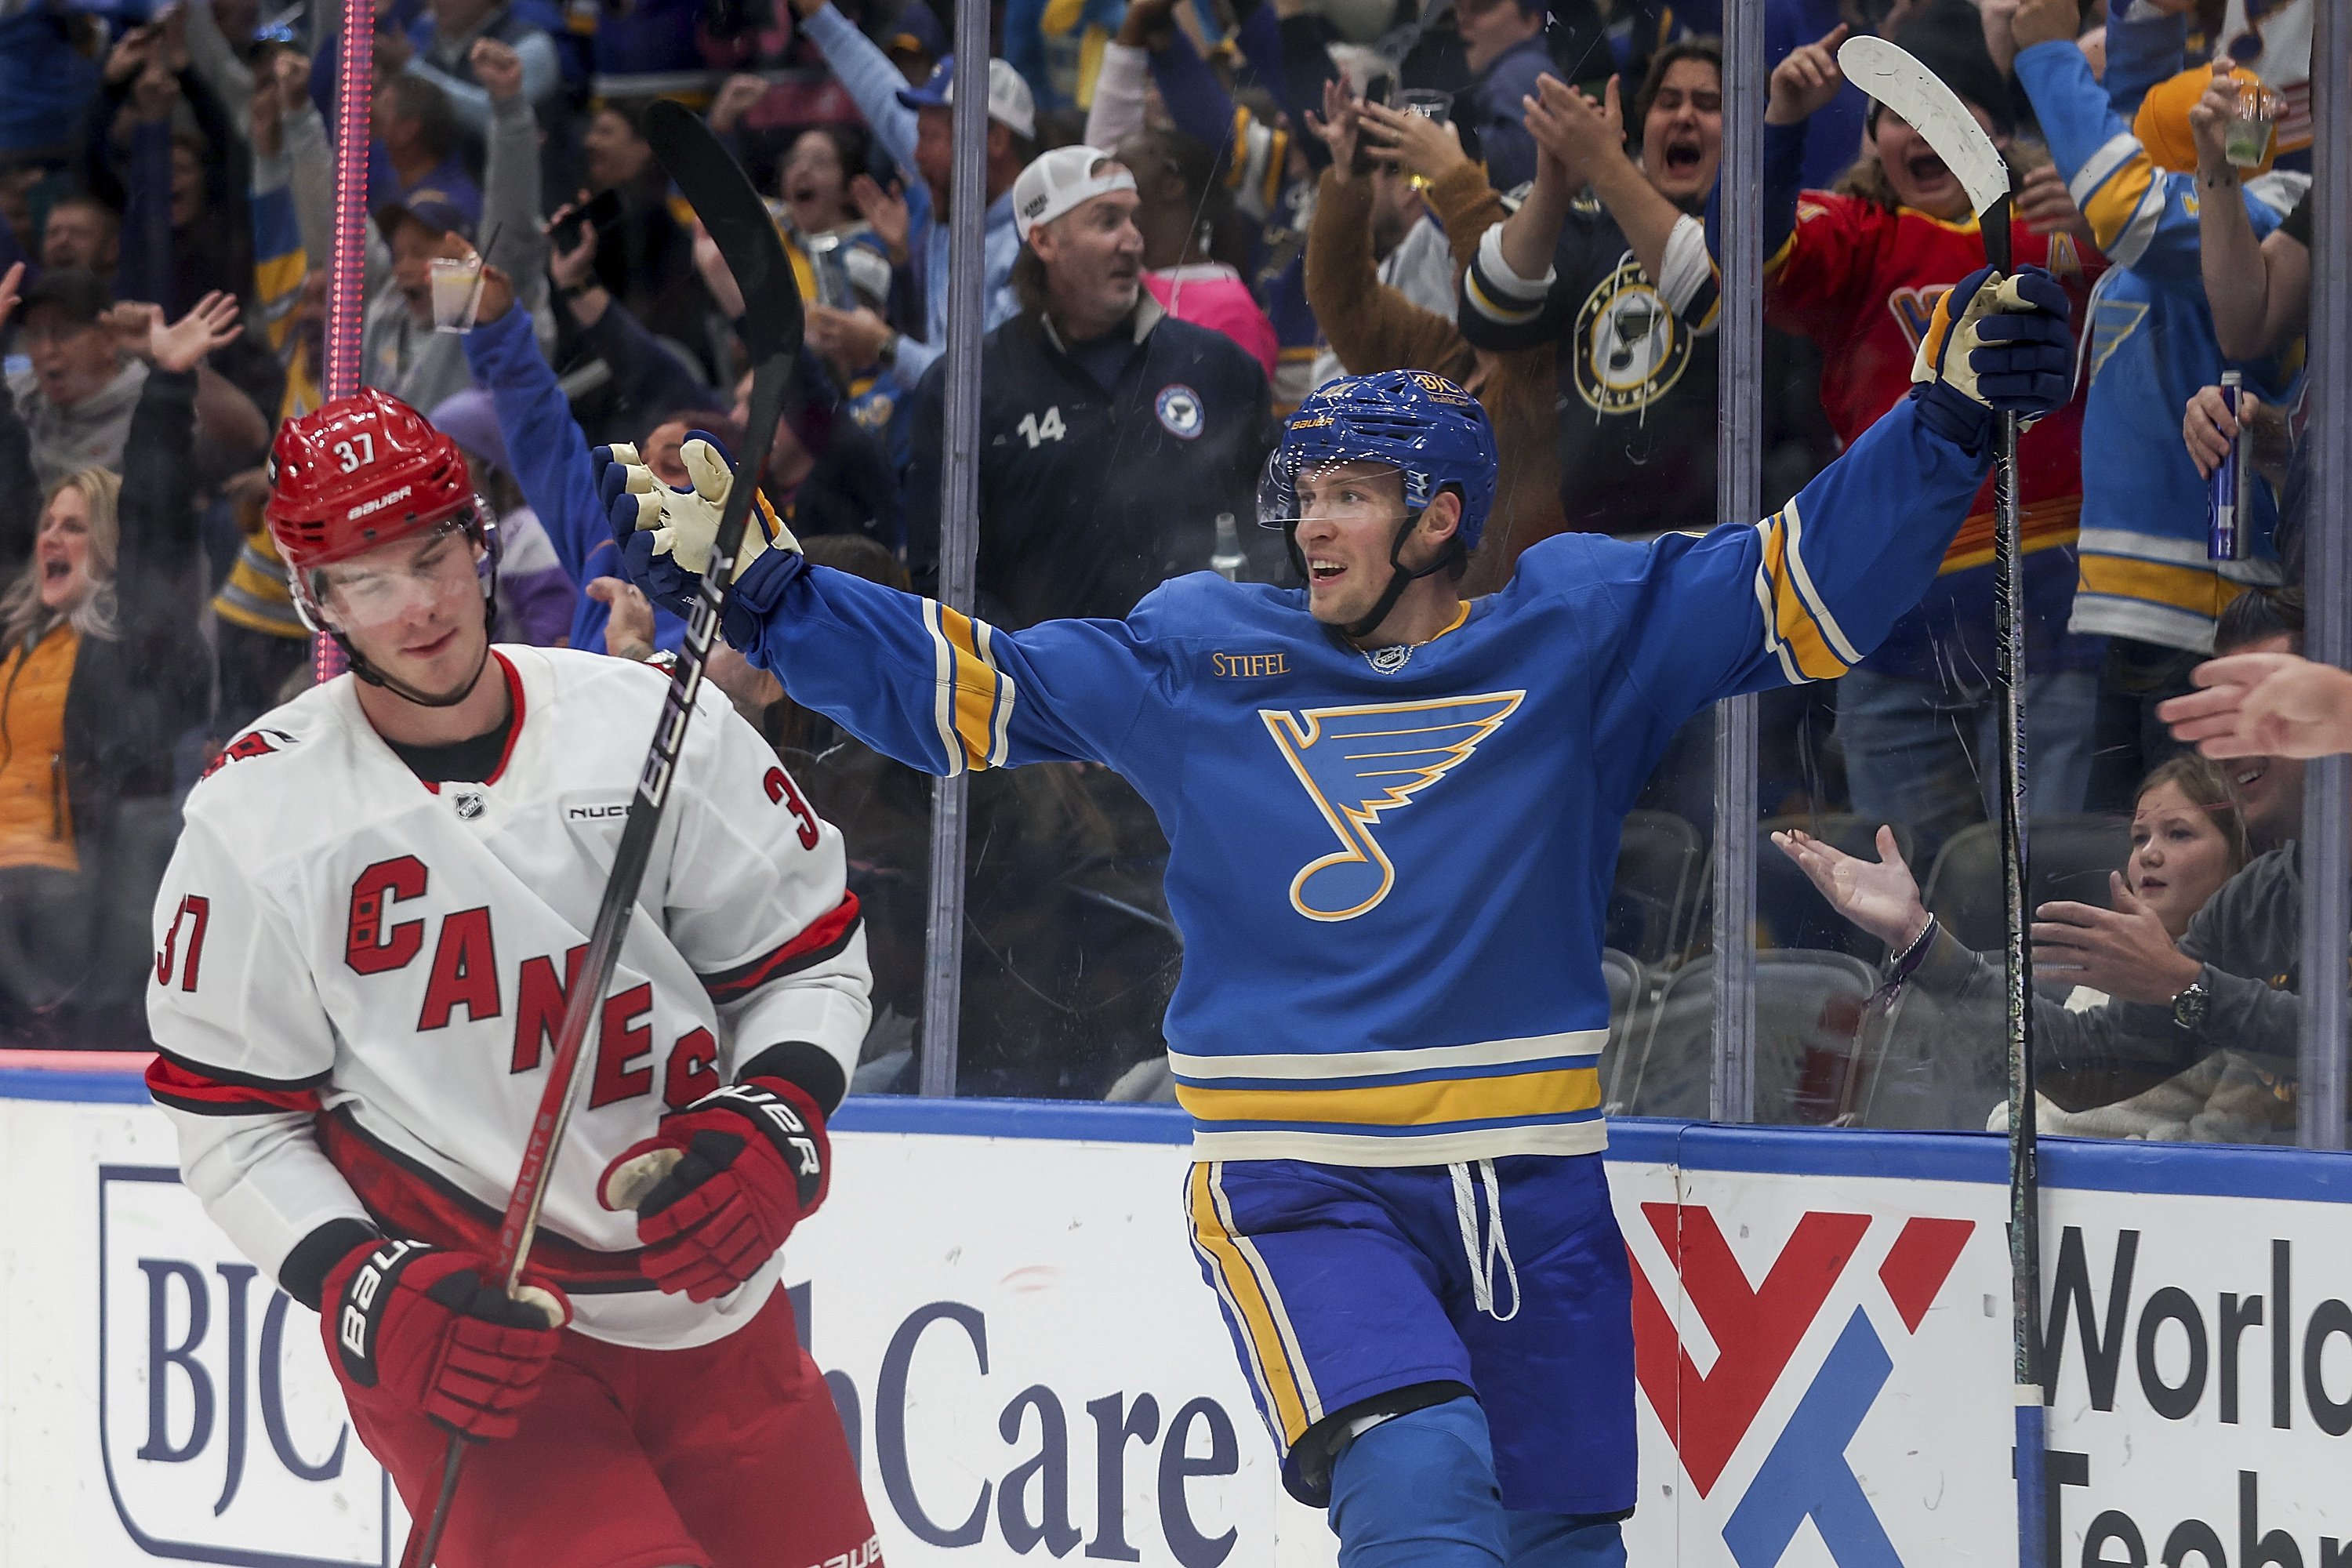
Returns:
point(1197, 211)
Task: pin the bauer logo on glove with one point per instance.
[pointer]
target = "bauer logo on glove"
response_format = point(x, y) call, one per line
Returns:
point(421, 1322)
point(722, 1185)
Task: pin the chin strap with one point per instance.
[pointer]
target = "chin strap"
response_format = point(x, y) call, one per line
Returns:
point(363, 670)
point(1400, 578)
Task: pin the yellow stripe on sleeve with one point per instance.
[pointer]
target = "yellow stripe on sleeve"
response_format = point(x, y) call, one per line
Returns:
point(1495, 311)
point(976, 681)
point(2114, 204)
point(1404, 1104)
point(2198, 590)
point(1789, 617)
point(1294, 1407)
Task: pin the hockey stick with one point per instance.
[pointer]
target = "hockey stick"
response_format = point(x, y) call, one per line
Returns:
point(722, 197)
point(1935, 112)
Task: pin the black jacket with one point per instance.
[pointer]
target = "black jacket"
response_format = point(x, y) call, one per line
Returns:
point(1090, 500)
point(129, 698)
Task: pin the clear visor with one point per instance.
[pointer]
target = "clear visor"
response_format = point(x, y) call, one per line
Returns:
point(1289, 493)
point(407, 578)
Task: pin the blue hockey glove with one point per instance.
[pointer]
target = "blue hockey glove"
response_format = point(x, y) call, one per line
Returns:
point(1995, 345)
point(666, 534)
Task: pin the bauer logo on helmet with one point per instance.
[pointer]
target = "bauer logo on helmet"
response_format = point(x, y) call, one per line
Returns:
point(379, 502)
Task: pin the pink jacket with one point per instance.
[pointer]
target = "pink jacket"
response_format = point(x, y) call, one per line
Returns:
point(1209, 294)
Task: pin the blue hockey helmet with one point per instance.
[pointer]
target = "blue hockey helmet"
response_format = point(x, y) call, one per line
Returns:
point(1428, 428)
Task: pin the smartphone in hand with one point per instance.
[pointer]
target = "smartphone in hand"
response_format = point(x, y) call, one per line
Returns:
point(1376, 90)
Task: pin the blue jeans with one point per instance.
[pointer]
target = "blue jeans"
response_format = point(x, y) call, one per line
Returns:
point(1926, 752)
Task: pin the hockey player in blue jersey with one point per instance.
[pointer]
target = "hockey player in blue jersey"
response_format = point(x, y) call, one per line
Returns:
point(1393, 817)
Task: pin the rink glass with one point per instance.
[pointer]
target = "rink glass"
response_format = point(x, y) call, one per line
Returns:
point(1069, 955)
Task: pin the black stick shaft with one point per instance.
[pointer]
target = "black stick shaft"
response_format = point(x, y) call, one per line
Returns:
point(2024, 1184)
point(622, 884)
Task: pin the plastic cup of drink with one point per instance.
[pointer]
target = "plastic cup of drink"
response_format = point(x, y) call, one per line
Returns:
point(1428, 102)
point(457, 292)
point(2247, 136)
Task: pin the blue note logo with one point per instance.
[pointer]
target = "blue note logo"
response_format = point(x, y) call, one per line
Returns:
point(1178, 407)
point(1360, 761)
point(2111, 326)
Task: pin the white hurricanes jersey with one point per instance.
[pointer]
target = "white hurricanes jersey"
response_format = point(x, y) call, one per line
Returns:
point(360, 977)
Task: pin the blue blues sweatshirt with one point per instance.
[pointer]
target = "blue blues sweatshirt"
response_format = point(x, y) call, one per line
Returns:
point(553, 466)
point(2150, 345)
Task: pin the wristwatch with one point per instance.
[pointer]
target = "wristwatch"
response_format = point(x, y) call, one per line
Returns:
point(2189, 1006)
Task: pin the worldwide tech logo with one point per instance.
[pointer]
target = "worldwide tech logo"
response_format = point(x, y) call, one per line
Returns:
point(1756, 1329)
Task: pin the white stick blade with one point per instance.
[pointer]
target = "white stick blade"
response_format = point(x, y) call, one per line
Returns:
point(1900, 81)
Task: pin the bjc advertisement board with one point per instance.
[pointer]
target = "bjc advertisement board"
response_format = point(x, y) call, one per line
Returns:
point(1029, 1367)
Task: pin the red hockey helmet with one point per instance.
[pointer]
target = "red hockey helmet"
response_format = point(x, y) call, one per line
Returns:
point(362, 471)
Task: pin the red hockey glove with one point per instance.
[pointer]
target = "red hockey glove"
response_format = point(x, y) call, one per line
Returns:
point(722, 1185)
point(419, 1320)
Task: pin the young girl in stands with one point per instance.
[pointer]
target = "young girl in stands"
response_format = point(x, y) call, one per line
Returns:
point(2187, 840)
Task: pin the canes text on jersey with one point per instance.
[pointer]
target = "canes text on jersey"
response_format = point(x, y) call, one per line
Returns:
point(465, 973)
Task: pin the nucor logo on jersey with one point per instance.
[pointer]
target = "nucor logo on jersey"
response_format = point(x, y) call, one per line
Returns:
point(222, 1435)
point(390, 498)
point(1756, 1331)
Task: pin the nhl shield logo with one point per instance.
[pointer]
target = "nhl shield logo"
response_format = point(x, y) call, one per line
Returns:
point(466, 804)
point(1178, 407)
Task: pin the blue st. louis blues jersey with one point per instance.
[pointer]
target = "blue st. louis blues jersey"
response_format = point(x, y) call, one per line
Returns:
point(1389, 876)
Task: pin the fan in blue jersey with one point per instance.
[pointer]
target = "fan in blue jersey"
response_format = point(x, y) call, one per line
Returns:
point(1393, 817)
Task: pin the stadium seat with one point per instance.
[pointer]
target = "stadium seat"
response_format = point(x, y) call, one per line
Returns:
point(1629, 993)
point(2069, 857)
point(1655, 898)
point(1817, 1032)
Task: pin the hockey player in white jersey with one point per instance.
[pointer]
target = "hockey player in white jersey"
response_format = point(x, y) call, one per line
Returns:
point(363, 949)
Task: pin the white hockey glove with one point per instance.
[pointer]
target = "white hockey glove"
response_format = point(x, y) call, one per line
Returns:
point(685, 522)
point(1998, 343)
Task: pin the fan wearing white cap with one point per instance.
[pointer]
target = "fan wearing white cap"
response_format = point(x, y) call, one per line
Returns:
point(1082, 256)
point(914, 125)
point(1112, 434)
